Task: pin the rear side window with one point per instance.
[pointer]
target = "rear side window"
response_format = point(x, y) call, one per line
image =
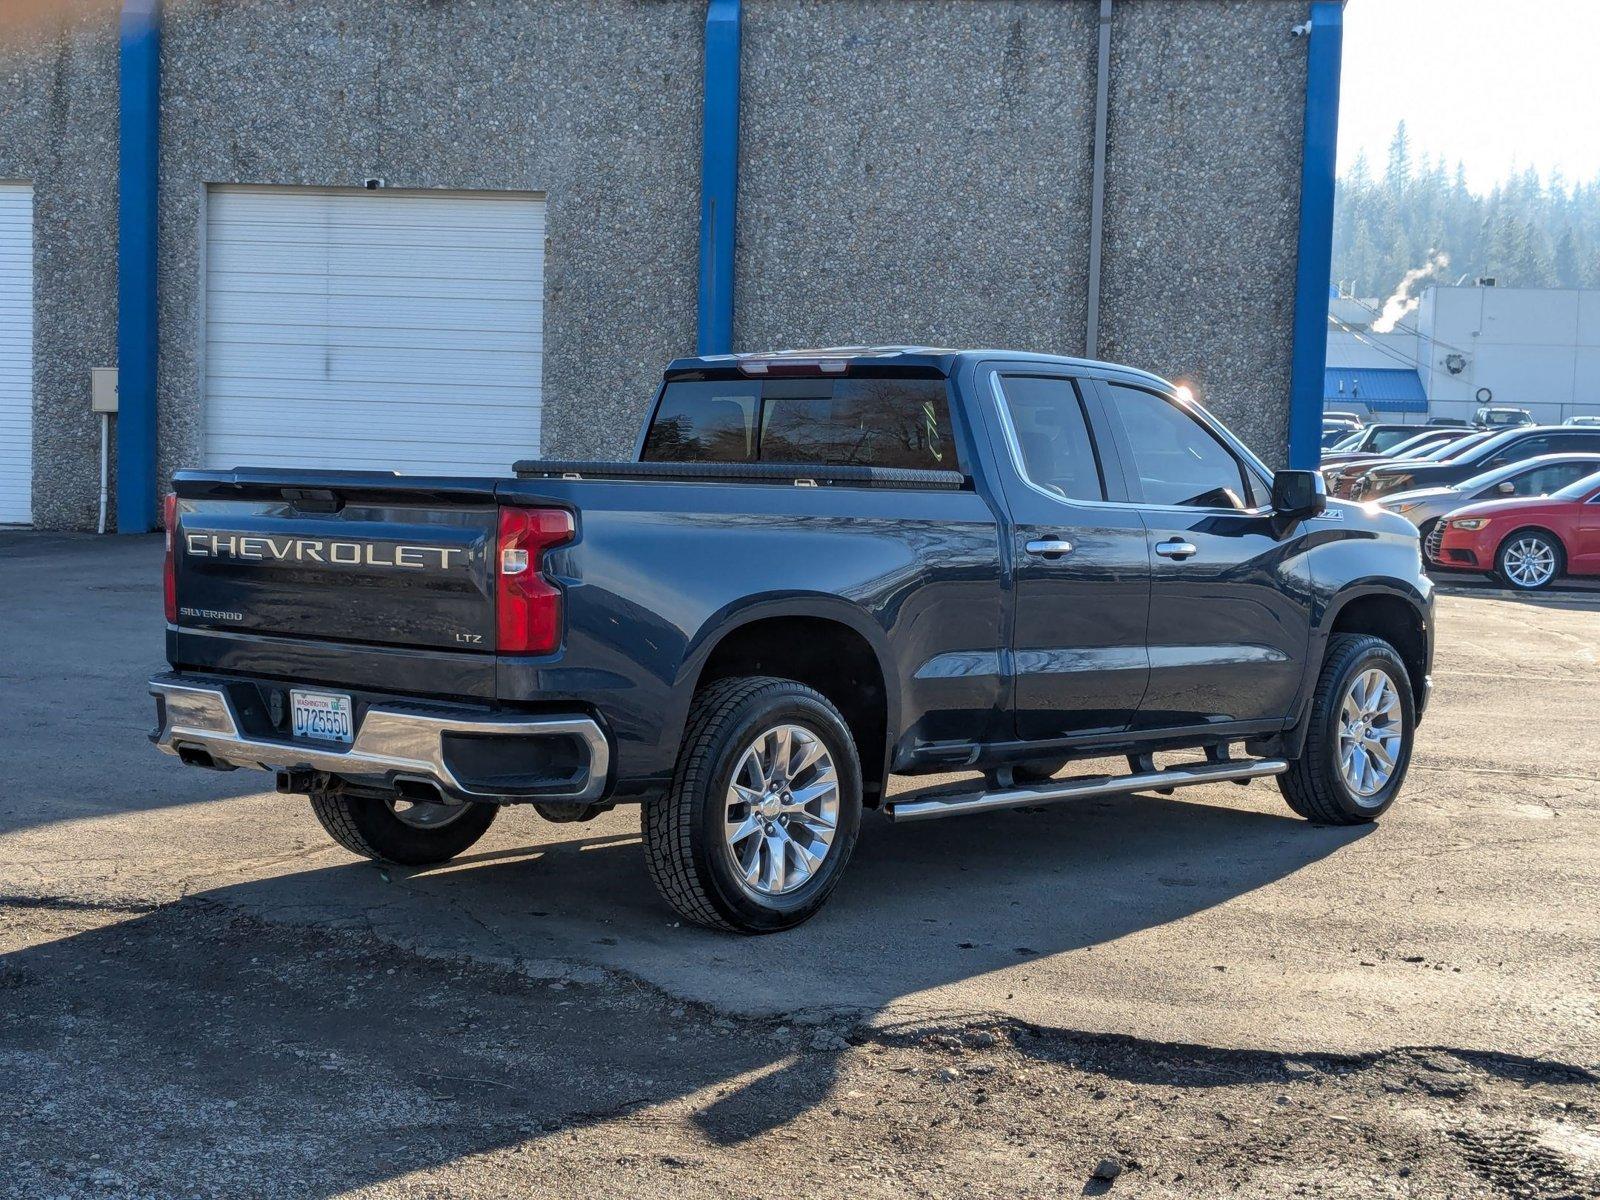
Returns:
point(868, 422)
point(1052, 432)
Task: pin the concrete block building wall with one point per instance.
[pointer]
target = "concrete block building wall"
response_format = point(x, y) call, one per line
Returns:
point(908, 172)
point(58, 134)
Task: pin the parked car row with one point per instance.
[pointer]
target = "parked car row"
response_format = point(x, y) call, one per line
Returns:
point(1339, 471)
point(1521, 501)
point(1541, 476)
point(1499, 449)
point(1344, 432)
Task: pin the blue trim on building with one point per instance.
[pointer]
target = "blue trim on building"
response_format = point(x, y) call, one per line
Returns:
point(1381, 389)
point(719, 177)
point(140, 80)
point(1317, 165)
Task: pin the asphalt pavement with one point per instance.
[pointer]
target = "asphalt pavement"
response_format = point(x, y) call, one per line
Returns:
point(200, 994)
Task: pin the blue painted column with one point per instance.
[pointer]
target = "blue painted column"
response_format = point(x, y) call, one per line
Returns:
point(1318, 163)
point(719, 177)
point(140, 71)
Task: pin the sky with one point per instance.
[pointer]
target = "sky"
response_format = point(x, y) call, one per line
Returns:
point(1498, 84)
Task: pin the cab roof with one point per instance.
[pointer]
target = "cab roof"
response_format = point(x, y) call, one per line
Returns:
point(843, 360)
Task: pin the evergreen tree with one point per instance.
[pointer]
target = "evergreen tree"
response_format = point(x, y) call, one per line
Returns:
point(1526, 231)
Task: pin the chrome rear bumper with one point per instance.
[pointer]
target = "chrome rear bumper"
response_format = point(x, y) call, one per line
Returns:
point(391, 743)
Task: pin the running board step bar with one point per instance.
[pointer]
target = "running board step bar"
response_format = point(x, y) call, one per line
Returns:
point(925, 806)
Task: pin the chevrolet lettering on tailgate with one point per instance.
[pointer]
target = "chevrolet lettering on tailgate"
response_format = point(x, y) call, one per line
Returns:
point(260, 548)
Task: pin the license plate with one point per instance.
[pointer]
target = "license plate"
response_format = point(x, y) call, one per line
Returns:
point(323, 716)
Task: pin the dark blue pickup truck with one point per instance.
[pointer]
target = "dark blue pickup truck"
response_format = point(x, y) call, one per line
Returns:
point(824, 568)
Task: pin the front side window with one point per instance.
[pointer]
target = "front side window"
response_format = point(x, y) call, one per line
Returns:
point(1579, 439)
point(1579, 489)
point(1052, 432)
point(1178, 461)
point(872, 422)
point(1388, 439)
point(1521, 448)
point(1551, 477)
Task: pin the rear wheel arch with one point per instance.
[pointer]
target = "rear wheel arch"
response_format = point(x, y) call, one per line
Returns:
point(827, 653)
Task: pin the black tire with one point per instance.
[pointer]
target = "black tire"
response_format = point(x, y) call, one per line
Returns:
point(1548, 540)
point(685, 840)
point(367, 826)
point(1313, 784)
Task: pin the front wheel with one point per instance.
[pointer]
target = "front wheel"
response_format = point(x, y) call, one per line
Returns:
point(763, 810)
point(1528, 561)
point(1363, 720)
point(410, 833)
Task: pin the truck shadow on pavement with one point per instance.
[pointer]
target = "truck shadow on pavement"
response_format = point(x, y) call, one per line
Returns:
point(349, 1024)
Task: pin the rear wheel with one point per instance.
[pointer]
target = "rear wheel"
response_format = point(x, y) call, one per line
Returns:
point(1363, 719)
point(410, 833)
point(1529, 560)
point(763, 810)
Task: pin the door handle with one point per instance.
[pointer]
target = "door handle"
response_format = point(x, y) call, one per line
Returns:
point(1176, 548)
point(1049, 547)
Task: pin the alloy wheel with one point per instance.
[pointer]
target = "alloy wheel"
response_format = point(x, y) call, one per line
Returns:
point(1370, 730)
point(1530, 562)
point(782, 810)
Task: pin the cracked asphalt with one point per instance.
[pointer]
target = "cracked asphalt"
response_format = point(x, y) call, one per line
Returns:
point(1199, 995)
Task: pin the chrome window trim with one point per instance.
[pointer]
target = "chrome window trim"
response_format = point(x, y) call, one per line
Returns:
point(1014, 445)
point(1014, 449)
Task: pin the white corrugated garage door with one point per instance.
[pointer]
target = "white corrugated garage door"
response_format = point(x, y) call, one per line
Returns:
point(379, 330)
point(16, 353)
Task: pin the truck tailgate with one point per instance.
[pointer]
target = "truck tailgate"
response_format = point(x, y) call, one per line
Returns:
point(343, 556)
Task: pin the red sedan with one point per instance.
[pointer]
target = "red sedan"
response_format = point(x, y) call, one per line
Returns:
point(1528, 542)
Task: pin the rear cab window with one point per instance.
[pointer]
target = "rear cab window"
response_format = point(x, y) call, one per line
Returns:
point(868, 421)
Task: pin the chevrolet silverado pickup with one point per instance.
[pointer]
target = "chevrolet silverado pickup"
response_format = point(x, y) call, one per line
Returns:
point(822, 569)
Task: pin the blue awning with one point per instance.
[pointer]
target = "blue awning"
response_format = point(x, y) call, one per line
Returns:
point(1387, 389)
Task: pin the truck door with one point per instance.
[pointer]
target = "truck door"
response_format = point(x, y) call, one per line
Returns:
point(1230, 599)
point(1081, 574)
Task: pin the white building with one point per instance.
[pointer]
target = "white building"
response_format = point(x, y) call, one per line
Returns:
point(1466, 347)
point(1532, 348)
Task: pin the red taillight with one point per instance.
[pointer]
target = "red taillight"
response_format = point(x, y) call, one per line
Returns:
point(527, 605)
point(169, 578)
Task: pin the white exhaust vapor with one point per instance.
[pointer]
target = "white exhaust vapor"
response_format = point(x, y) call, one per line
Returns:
point(1402, 301)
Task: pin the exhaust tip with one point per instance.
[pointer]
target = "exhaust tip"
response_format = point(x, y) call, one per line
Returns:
point(420, 791)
